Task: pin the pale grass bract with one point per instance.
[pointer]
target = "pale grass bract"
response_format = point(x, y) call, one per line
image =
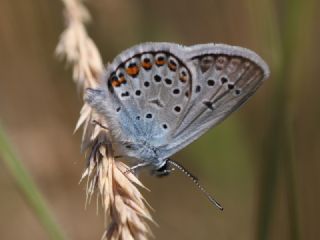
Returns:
point(126, 209)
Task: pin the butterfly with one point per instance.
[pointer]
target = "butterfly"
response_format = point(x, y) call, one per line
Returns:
point(159, 97)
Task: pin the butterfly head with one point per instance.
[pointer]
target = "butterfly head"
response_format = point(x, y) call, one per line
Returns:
point(163, 170)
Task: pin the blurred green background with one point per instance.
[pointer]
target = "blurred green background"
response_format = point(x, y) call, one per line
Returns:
point(262, 163)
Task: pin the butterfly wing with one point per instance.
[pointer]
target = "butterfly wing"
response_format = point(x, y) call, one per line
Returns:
point(225, 78)
point(167, 95)
point(145, 91)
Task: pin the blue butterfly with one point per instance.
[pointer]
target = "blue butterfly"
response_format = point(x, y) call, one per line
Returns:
point(159, 97)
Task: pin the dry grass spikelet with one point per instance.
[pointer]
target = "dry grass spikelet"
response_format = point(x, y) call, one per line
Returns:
point(126, 209)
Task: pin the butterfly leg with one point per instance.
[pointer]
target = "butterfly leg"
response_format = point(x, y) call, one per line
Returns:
point(137, 166)
point(95, 154)
point(100, 124)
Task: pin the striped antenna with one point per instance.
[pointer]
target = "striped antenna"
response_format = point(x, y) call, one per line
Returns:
point(196, 182)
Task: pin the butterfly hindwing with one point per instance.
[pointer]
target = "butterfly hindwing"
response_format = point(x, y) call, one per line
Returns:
point(225, 78)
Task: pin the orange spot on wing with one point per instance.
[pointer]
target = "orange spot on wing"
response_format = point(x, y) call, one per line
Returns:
point(146, 65)
point(183, 78)
point(160, 62)
point(122, 80)
point(115, 83)
point(172, 67)
point(133, 70)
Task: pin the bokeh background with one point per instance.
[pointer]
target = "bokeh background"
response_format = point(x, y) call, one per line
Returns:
point(262, 163)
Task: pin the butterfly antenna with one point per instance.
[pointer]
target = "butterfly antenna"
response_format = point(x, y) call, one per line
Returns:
point(196, 182)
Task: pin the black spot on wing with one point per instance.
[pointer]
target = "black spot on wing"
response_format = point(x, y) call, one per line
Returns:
point(208, 104)
point(157, 102)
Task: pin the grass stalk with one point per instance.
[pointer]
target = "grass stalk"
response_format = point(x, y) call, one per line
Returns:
point(279, 151)
point(28, 189)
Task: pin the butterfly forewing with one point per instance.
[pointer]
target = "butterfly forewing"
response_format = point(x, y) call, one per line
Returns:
point(150, 87)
